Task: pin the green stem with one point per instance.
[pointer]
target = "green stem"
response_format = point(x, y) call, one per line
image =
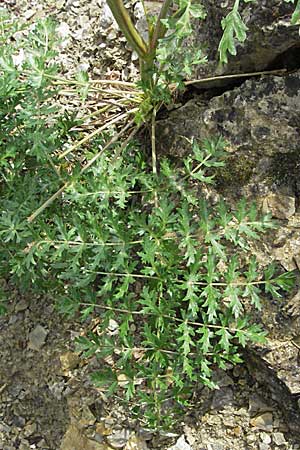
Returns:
point(146, 64)
point(160, 29)
point(128, 29)
point(176, 280)
point(154, 157)
point(236, 5)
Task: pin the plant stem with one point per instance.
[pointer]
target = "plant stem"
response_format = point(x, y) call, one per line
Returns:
point(154, 158)
point(128, 29)
point(160, 29)
point(235, 75)
point(93, 134)
point(87, 244)
point(151, 314)
point(191, 283)
point(114, 139)
point(146, 63)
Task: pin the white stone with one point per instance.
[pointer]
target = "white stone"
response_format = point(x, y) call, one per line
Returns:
point(181, 444)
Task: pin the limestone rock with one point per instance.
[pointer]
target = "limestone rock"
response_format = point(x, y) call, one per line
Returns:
point(119, 438)
point(265, 437)
point(279, 438)
point(276, 367)
point(222, 398)
point(284, 357)
point(293, 306)
point(288, 254)
point(135, 443)
point(261, 116)
point(257, 405)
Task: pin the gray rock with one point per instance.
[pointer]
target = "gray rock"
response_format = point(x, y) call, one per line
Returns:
point(222, 398)
point(251, 438)
point(19, 421)
point(285, 359)
point(135, 443)
point(288, 252)
point(263, 446)
point(215, 446)
point(15, 318)
point(260, 120)
point(30, 428)
point(4, 428)
point(222, 379)
point(74, 439)
point(21, 305)
point(257, 405)
point(270, 34)
point(293, 305)
point(37, 338)
point(280, 205)
point(280, 376)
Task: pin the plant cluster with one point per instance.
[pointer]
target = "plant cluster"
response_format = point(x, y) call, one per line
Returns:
point(32, 129)
point(168, 274)
point(165, 59)
point(172, 283)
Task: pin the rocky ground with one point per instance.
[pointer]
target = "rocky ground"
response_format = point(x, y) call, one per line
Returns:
point(48, 402)
point(47, 399)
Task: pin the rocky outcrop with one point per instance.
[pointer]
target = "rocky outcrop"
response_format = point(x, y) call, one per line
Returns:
point(260, 120)
point(271, 39)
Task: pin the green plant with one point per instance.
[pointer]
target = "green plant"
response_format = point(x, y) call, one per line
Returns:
point(296, 14)
point(163, 58)
point(170, 274)
point(28, 138)
point(172, 282)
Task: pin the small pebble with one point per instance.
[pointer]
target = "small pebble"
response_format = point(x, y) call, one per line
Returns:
point(279, 438)
point(263, 421)
point(263, 446)
point(118, 438)
point(37, 338)
point(266, 439)
point(181, 444)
